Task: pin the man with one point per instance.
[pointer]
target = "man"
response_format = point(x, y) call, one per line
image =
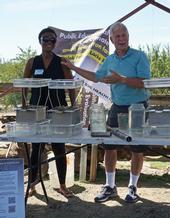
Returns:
point(48, 65)
point(124, 70)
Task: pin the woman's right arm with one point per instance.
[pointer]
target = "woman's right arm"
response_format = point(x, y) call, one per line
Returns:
point(28, 67)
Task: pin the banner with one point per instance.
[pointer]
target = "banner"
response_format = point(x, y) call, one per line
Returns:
point(86, 49)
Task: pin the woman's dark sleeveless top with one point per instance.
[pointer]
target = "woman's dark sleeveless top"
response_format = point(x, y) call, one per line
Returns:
point(54, 71)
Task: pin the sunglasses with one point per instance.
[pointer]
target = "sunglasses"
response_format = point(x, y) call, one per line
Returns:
point(45, 40)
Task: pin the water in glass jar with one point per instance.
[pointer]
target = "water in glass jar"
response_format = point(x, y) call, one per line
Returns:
point(97, 118)
point(136, 119)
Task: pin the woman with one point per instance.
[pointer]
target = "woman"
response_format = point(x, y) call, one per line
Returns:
point(48, 65)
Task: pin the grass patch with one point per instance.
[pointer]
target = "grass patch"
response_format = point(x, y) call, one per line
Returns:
point(159, 165)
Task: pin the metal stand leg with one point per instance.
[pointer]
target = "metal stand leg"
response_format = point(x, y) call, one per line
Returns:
point(40, 173)
point(29, 185)
point(29, 173)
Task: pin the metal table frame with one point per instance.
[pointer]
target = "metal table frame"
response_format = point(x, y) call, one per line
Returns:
point(84, 139)
point(40, 162)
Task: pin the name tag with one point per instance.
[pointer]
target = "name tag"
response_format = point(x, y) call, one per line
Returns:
point(39, 72)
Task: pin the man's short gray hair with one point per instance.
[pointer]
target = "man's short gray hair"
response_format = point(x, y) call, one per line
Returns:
point(117, 25)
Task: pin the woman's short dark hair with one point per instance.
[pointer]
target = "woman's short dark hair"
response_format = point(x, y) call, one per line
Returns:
point(46, 30)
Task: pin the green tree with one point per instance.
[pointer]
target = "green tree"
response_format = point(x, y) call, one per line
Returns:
point(12, 69)
point(159, 57)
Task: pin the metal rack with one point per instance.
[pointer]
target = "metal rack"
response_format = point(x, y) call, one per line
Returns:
point(157, 83)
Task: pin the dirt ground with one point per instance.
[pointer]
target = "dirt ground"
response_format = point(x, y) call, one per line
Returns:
point(153, 188)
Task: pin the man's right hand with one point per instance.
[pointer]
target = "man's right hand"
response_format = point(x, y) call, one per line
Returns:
point(67, 63)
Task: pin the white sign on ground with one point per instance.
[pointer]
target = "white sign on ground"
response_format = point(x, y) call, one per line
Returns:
point(12, 188)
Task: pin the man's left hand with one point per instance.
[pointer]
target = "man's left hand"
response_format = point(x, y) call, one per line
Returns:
point(113, 78)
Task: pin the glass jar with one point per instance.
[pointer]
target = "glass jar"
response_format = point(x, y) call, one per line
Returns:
point(136, 119)
point(97, 118)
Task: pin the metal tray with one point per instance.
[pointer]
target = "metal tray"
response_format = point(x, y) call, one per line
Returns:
point(31, 114)
point(64, 115)
point(158, 117)
point(65, 84)
point(157, 82)
point(30, 82)
point(15, 129)
point(54, 130)
point(156, 131)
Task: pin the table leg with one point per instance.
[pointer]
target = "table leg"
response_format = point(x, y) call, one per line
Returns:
point(29, 173)
point(40, 173)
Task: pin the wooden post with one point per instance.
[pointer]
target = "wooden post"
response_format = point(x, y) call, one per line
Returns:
point(93, 163)
point(83, 164)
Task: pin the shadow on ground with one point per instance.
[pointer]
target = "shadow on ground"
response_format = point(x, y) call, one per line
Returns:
point(77, 208)
point(82, 205)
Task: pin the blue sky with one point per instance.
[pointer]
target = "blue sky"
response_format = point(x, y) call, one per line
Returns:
point(22, 20)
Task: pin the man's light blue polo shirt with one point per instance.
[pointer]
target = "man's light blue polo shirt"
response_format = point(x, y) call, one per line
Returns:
point(132, 65)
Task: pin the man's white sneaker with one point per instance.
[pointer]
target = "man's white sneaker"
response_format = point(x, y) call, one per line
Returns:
point(106, 193)
point(132, 197)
